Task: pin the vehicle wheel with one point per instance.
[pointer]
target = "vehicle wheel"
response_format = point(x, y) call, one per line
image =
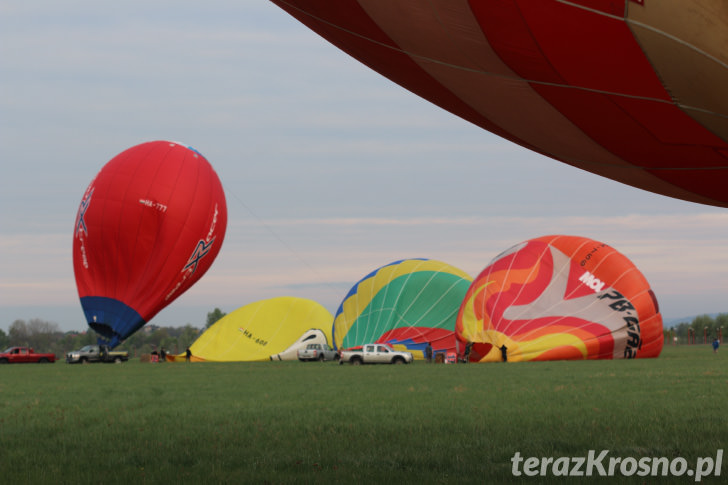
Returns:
point(117, 360)
point(42, 360)
point(322, 358)
point(398, 360)
point(84, 360)
point(3, 361)
point(356, 361)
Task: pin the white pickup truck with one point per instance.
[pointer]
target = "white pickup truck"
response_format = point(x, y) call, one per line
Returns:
point(375, 354)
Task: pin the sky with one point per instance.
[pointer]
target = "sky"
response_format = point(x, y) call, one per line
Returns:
point(330, 170)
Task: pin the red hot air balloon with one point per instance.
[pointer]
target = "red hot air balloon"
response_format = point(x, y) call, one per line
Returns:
point(149, 226)
point(633, 90)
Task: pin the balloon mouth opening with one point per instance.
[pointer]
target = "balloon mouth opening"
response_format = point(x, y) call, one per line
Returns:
point(479, 350)
point(106, 336)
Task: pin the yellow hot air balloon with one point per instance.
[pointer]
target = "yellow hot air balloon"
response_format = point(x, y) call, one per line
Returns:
point(263, 330)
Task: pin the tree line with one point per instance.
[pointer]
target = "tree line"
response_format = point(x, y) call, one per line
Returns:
point(44, 336)
point(702, 328)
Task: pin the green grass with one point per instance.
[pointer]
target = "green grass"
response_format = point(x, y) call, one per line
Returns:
point(292, 422)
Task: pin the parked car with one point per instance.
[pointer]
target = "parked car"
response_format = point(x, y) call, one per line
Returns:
point(96, 353)
point(320, 352)
point(24, 355)
point(375, 354)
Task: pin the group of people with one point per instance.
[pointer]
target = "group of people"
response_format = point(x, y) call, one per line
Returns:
point(466, 357)
point(161, 356)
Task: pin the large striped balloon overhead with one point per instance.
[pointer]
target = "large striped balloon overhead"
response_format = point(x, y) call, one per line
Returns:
point(409, 302)
point(634, 90)
point(560, 298)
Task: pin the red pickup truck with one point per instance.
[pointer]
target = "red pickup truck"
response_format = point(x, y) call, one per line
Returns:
point(20, 355)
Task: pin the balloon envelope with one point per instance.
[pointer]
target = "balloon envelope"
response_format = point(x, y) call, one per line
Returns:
point(262, 331)
point(561, 297)
point(149, 226)
point(409, 302)
point(631, 90)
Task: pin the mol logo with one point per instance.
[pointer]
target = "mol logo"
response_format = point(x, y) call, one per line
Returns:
point(592, 281)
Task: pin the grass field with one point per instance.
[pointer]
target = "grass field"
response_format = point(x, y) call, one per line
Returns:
point(292, 422)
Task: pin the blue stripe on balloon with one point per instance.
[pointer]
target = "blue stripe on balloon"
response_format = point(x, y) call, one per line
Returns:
point(112, 319)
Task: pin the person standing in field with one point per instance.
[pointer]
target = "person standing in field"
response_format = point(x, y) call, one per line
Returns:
point(716, 344)
point(504, 352)
point(188, 354)
point(468, 348)
point(428, 353)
